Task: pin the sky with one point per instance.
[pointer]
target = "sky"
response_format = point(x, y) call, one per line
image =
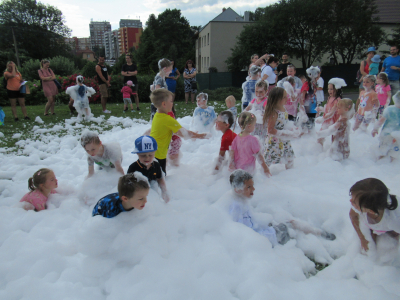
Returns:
point(198, 12)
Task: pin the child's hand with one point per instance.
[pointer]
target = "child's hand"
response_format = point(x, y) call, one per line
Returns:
point(28, 206)
point(267, 172)
point(364, 245)
point(232, 167)
point(374, 132)
point(319, 120)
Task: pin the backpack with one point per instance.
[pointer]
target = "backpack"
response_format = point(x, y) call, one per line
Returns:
point(359, 75)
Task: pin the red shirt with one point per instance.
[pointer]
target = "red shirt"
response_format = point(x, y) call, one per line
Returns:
point(227, 140)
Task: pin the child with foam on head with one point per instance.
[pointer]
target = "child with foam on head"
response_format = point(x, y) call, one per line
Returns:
point(126, 95)
point(330, 109)
point(340, 130)
point(249, 86)
point(243, 188)
point(257, 107)
point(145, 148)
point(293, 98)
point(278, 148)
point(165, 67)
point(224, 122)
point(107, 155)
point(308, 99)
point(389, 138)
point(41, 185)
point(383, 91)
point(133, 190)
point(204, 116)
point(164, 126)
point(246, 148)
point(80, 93)
point(375, 216)
point(367, 104)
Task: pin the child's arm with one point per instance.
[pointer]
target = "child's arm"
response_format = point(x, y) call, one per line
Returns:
point(91, 171)
point(389, 93)
point(248, 107)
point(232, 166)
point(330, 114)
point(221, 158)
point(378, 125)
point(331, 130)
point(355, 220)
point(118, 167)
point(357, 103)
point(163, 187)
point(261, 160)
point(187, 134)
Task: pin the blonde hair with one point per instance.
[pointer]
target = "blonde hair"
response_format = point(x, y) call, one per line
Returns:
point(348, 103)
point(11, 62)
point(231, 99)
point(43, 62)
point(38, 178)
point(371, 77)
point(262, 84)
point(384, 77)
point(246, 118)
point(157, 97)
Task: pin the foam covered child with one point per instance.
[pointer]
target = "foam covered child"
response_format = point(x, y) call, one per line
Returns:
point(389, 138)
point(107, 155)
point(257, 107)
point(126, 95)
point(340, 131)
point(368, 104)
point(204, 116)
point(246, 148)
point(132, 194)
point(145, 148)
point(224, 122)
point(293, 98)
point(41, 185)
point(80, 94)
point(383, 91)
point(375, 216)
point(330, 115)
point(309, 99)
point(249, 86)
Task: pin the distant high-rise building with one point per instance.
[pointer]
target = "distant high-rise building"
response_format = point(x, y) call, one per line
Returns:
point(127, 38)
point(97, 30)
point(130, 23)
point(111, 44)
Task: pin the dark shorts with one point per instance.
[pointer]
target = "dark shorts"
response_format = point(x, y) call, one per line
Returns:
point(163, 165)
point(135, 88)
point(14, 95)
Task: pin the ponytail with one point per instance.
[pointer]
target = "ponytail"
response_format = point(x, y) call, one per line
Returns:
point(30, 184)
point(392, 202)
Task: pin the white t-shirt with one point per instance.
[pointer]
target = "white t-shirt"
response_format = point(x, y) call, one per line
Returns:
point(112, 153)
point(271, 75)
point(390, 221)
point(320, 94)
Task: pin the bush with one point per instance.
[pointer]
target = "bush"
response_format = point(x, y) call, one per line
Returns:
point(89, 70)
point(30, 69)
point(62, 66)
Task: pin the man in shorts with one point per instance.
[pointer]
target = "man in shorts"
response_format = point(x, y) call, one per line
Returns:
point(129, 71)
point(103, 80)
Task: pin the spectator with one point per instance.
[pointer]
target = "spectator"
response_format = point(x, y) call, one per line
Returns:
point(190, 80)
point(14, 79)
point(364, 65)
point(50, 89)
point(268, 74)
point(391, 66)
point(103, 80)
point(129, 71)
point(291, 72)
point(172, 79)
point(283, 66)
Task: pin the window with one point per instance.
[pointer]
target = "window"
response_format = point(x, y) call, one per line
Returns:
point(208, 61)
point(208, 39)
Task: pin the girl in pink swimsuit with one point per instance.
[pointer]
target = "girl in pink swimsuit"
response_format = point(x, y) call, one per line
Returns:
point(42, 184)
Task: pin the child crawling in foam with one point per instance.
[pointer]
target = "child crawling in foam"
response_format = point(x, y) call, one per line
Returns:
point(243, 187)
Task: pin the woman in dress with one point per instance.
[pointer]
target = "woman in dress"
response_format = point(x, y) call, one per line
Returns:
point(50, 89)
point(190, 76)
point(172, 78)
point(14, 79)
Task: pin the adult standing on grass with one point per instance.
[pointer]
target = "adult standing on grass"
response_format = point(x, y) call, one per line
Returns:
point(172, 79)
point(391, 66)
point(190, 80)
point(50, 89)
point(14, 79)
point(364, 65)
point(129, 71)
point(103, 80)
point(283, 66)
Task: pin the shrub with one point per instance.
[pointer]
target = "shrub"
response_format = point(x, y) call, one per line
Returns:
point(89, 70)
point(62, 66)
point(30, 69)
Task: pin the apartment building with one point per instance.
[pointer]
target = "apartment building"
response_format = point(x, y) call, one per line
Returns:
point(97, 30)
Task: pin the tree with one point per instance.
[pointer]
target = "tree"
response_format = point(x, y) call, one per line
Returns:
point(395, 40)
point(169, 28)
point(33, 23)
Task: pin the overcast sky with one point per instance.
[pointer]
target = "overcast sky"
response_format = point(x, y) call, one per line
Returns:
point(198, 12)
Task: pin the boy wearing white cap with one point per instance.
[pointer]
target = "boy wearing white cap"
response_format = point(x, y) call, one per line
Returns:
point(145, 148)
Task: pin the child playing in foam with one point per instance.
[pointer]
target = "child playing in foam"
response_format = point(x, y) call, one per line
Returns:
point(224, 122)
point(277, 144)
point(132, 194)
point(368, 104)
point(257, 107)
point(243, 187)
point(175, 145)
point(80, 94)
point(249, 86)
point(204, 116)
point(293, 98)
point(41, 185)
point(377, 211)
point(246, 148)
point(126, 95)
point(145, 148)
point(105, 155)
point(383, 91)
point(308, 91)
point(165, 67)
point(230, 102)
point(340, 130)
point(330, 110)
point(389, 138)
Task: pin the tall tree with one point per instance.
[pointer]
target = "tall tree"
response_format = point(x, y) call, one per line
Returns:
point(169, 28)
point(395, 37)
point(33, 23)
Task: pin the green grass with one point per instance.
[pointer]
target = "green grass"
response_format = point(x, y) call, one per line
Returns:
point(26, 128)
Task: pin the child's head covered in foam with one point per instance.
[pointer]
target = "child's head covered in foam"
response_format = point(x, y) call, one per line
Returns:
point(242, 183)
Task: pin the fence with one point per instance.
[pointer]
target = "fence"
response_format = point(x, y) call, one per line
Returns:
point(212, 81)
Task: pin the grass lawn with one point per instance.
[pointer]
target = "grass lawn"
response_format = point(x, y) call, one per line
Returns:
point(17, 132)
